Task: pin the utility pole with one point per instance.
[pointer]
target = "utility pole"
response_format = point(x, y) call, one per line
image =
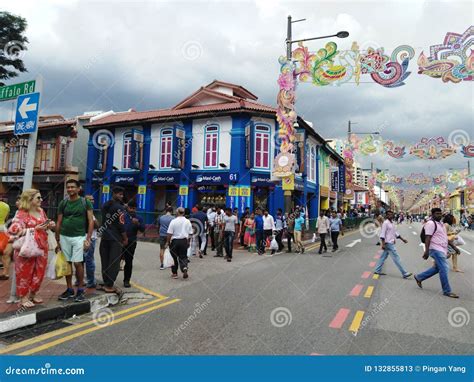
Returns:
point(468, 167)
point(349, 132)
point(288, 39)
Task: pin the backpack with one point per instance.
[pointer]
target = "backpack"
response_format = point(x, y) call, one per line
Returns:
point(84, 205)
point(423, 234)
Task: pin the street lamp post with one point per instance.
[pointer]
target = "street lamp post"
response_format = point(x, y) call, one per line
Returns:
point(289, 41)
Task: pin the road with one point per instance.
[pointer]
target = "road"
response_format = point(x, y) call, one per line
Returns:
point(285, 304)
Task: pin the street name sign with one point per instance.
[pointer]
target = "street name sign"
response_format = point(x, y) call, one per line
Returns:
point(15, 90)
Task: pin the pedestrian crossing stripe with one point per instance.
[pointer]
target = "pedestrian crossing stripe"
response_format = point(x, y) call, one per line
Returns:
point(368, 292)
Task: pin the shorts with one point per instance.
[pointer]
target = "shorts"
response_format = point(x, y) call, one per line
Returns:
point(73, 248)
point(162, 241)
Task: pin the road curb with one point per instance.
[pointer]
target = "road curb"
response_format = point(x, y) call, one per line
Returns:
point(63, 312)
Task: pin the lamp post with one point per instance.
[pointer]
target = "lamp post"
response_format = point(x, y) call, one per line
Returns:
point(289, 41)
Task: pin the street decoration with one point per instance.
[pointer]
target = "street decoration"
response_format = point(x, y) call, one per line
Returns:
point(468, 150)
point(451, 61)
point(329, 66)
point(432, 148)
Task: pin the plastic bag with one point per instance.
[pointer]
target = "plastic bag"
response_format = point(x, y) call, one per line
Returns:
point(52, 243)
point(459, 241)
point(30, 247)
point(313, 240)
point(168, 260)
point(51, 269)
point(274, 244)
point(62, 267)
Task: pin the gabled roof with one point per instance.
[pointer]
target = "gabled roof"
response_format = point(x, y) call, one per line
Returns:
point(202, 93)
point(239, 91)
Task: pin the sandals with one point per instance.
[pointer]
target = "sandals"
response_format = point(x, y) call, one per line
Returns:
point(36, 300)
point(27, 304)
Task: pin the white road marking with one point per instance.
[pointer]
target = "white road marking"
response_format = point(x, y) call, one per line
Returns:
point(422, 245)
point(469, 253)
point(414, 233)
point(353, 243)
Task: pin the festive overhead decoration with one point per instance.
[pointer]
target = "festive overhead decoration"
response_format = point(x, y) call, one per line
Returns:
point(432, 148)
point(468, 151)
point(451, 60)
point(328, 66)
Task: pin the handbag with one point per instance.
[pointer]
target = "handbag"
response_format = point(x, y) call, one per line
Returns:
point(30, 247)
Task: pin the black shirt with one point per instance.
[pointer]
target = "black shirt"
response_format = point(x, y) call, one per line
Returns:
point(113, 221)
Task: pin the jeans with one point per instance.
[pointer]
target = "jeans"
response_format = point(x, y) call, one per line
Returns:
point(392, 251)
point(110, 255)
point(323, 245)
point(260, 242)
point(89, 263)
point(229, 243)
point(441, 267)
point(127, 254)
point(278, 238)
point(218, 242)
point(289, 237)
point(334, 236)
point(179, 252)
point(213, 240)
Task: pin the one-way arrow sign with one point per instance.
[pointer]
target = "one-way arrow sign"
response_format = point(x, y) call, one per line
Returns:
point(26, 119)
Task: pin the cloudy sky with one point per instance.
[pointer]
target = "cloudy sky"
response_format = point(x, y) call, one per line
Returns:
point(103, 55)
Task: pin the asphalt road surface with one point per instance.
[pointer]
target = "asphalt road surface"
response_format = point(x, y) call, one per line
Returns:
point(285, 304)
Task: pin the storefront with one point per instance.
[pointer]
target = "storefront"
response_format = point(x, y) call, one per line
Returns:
point(129, 182)
point(163, 188)
point(209, 188)
point(261, 190)
point(324, 197)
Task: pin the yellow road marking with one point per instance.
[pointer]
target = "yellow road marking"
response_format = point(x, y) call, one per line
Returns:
point(356, 321)
point(375, 277)
point(369, 291)
point(90, 330)
point(145, 290)
point(68, 329)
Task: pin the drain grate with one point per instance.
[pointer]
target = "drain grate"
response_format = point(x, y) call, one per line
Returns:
point(31, 331)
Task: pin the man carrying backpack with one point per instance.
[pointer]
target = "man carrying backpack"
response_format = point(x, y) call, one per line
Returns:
point(73, 234)
point(435, 238)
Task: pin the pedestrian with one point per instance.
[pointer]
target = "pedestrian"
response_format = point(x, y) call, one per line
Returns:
point(453, 250)
point(259, 233)
point(219, 232)
point(279, 224)
point(211, 217)
point(163, 224)
point(268, 227)
point(230, 221)
point(4, 238)
point(73, 234)
point(133, 224)
point(322, 226)
point(114, 238)
point(298, 232)
point(89, 259)
point(243, 218)
point(388, 237)
point(436, 246)
point(178, 239)
point(249, 236)
point(30, 270)
point(290, 225)
point(200, 218)
point(335, 225)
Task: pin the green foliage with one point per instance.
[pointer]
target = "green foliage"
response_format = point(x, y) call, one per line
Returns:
point(12, 45)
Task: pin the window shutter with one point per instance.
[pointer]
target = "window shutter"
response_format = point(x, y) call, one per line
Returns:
point(178, 147)
point(251, 146)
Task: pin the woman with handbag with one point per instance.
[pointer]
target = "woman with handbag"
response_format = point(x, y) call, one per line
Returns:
point(30, 244)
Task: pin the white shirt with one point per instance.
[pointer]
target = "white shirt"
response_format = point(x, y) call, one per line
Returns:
point(322, 224)
point(211, 216)
point(180, 228)
point(268, 222)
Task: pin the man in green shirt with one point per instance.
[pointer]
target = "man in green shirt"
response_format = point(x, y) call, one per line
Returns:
point(73, 234)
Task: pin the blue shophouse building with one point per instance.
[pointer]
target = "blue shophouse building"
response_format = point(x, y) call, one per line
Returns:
point(216, 147)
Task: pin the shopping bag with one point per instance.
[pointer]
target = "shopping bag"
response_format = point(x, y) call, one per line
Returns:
point(273, 244)
point(313, 240)
point(30, 247)
point(459, 241)
point(52, 243)
point(168, 260)
point(51, 269)
point(63, 268)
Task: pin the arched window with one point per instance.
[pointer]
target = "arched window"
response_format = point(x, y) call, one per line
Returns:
point(166, 148)
point(262, 147)
point(127, 151)
point(211, 144)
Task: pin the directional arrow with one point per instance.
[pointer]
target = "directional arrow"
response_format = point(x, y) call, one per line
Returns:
point(353, 243)
point(25, 107)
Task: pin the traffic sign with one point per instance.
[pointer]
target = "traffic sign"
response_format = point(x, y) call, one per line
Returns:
point(15, 90)
point(26, 120)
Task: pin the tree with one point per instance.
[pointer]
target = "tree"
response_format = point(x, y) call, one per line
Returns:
point(12, 44)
